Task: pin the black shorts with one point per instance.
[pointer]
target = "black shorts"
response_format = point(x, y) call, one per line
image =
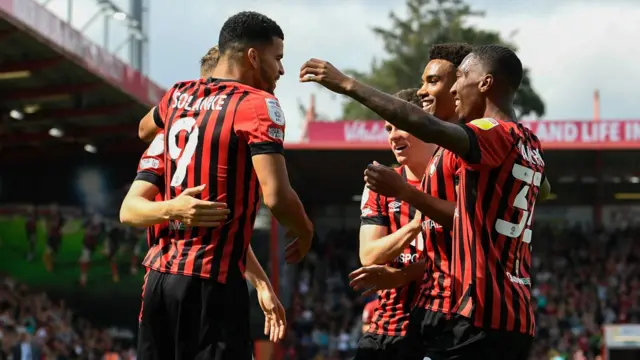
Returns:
point(379, 347)
point(432, 335)
point(186, 318)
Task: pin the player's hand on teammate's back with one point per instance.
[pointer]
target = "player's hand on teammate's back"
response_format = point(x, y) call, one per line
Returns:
point(384, 180)
point(275, 320)
point(325, 74)
point(370, 279)
point(297, 248)
point(195, 212)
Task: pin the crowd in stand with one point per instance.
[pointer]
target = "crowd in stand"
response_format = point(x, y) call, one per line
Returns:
point(35, 327)
point(584, 278)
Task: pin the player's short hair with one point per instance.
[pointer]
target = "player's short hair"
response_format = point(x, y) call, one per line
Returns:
point(410, 95)
point(209, 60)
point(247, 29)
point(451, 52)
point(502, 63)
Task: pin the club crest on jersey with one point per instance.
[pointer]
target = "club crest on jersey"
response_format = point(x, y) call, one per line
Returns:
point(485, 123)
point(275, 112)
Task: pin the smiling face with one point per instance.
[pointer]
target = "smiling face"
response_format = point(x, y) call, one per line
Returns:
point(470, 89)
point(405, 146)
point(437, 79)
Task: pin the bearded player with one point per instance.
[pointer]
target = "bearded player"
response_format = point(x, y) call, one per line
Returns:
point(258, 35)
point(501, 176)
point(389, 234)
point(433, 305)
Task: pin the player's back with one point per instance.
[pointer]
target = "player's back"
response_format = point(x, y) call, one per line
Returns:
point(212, 129)
point(499, 182)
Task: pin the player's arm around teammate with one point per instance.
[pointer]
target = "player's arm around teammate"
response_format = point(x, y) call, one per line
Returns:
point(401, 113)
point(138, 208)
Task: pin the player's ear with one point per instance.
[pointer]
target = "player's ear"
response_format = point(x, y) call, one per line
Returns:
point(485, 83)
point(252, 53)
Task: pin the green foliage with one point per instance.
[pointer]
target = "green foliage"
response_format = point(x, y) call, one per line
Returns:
point(407, 42)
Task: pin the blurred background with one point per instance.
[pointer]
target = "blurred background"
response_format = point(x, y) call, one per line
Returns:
point(77, 75)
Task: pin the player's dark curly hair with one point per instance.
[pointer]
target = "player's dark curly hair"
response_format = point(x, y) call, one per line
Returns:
point(451, 52)
point(209, 60)
point(502, 63)
point(409, 95)
point(247, 29)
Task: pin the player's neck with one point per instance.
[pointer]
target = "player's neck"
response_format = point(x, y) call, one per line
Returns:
point(415, 170)
point(229, 71)
point(502, 112)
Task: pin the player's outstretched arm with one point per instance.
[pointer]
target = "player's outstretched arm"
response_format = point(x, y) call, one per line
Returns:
point(138, 208)
point(400, 113)
point(371, 279)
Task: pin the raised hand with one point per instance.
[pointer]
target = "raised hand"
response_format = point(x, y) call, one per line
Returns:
point(325, 74)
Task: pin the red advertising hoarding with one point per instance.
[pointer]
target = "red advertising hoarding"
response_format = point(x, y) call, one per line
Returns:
point(566, 134)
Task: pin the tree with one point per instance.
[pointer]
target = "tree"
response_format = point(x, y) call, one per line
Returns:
point(407, 44)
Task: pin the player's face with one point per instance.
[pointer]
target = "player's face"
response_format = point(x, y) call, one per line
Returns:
point(270, 68)
point(437, 79)
point(467, 93)
point(404, 145)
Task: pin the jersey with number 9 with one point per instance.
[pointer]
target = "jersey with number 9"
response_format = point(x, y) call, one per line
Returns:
point(212, 129)
point(499, 180)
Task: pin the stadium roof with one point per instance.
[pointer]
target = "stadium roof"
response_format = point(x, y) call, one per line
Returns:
point(58, 86)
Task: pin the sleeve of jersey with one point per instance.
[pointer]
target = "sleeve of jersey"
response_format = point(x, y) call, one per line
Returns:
point(151, 165)
point(160, 111)
point(489, 143)
point(373, 210)
point(262, 124)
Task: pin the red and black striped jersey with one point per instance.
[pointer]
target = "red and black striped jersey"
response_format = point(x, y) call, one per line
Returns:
point(500, 178)
point(212, 129)
point(391, 316)
point(151, 169)
point(440, 181)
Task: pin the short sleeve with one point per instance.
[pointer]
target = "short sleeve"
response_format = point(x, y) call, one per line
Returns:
point(151, 165)
point(160, 110)
point(489, 143)
point(263, 126)
point(373, 209)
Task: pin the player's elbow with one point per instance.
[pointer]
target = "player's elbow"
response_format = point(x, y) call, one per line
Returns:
point(127, 216)
point(277, 198)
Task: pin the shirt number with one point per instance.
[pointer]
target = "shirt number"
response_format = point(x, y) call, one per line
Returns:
point(183, 156)
point(530, 178)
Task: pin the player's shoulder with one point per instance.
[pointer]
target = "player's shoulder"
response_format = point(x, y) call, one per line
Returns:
point(265, 104)
point(488, 123)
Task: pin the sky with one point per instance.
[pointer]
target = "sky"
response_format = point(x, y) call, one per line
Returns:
point(572, 47)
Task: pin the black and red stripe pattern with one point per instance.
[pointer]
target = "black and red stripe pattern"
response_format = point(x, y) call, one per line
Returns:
point(212, 130)
point(391, 315)
point(440, 181)
point(499, 182)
